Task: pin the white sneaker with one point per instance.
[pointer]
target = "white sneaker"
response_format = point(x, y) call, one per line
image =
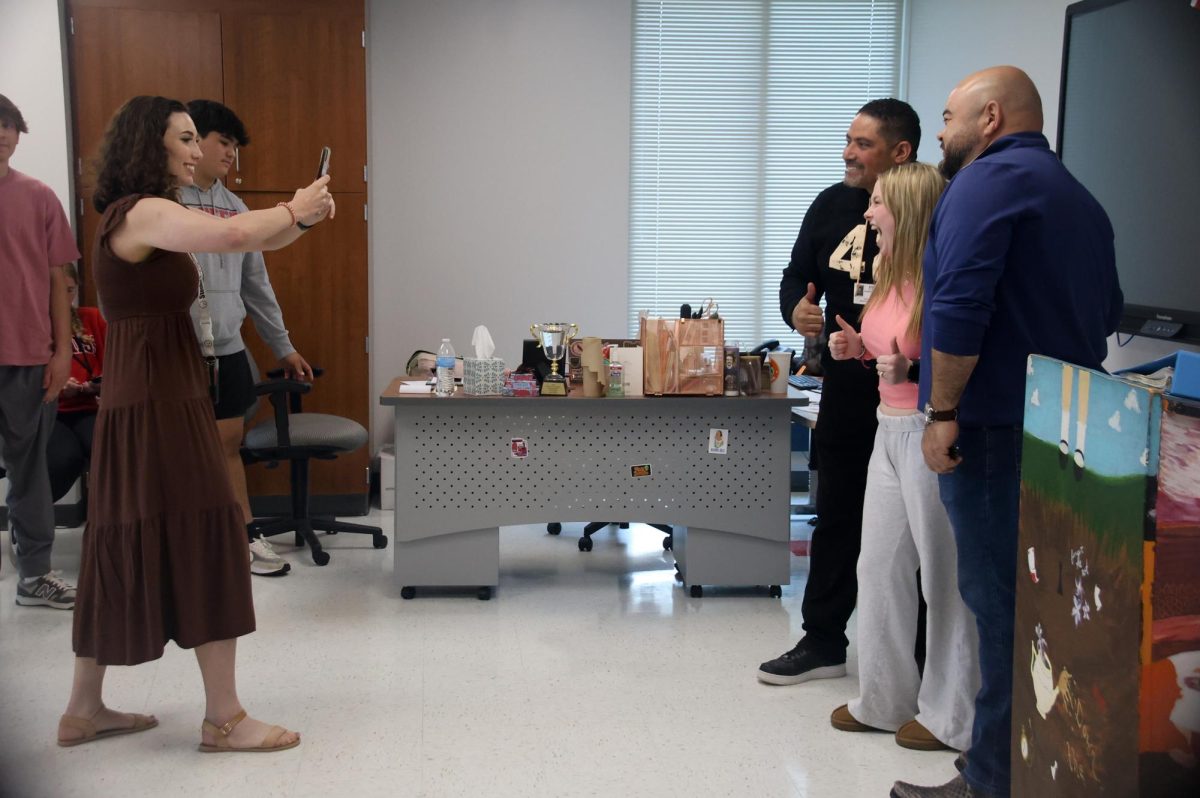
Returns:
point(264, 561)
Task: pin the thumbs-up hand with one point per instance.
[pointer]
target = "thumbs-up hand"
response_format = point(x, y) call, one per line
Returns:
point(806, 316)
point(846, 343)
point(892, 367)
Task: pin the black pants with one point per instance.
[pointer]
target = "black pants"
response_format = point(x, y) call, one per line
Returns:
point(843, 440)
point(70, 450)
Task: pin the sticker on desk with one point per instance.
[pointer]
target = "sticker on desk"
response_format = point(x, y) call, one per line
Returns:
point(519, 448)
point(639, 470)
point(718, 441)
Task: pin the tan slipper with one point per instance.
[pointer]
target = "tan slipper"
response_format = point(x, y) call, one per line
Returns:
point(90, 732)
point(270, 742)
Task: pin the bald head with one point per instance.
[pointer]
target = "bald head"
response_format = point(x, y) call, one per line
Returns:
point(1013, 93)
point(983, 107)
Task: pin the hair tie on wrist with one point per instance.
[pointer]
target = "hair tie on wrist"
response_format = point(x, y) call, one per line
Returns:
point(291, 212)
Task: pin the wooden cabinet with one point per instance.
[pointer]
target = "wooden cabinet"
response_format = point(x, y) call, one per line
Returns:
point(295, 72)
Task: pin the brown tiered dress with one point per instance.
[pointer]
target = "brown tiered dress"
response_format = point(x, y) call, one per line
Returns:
point(165, 552)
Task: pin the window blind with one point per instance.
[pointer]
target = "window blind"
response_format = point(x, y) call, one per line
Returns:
point(740, 109)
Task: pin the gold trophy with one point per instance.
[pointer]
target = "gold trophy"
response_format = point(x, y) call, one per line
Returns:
point(554, 338)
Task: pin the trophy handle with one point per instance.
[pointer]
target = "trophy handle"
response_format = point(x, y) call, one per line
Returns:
point(533, 330)
point(573, 333)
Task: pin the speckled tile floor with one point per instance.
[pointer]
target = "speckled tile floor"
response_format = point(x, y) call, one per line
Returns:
point(587, 675)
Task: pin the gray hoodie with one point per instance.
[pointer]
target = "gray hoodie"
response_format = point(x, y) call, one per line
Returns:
point(235, 282)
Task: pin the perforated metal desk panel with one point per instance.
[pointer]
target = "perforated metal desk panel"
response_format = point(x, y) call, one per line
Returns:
point(457, 480)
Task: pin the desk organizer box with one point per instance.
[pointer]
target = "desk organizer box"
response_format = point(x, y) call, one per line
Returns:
point(683, 356)
point(1106, 679)
point(483, 376)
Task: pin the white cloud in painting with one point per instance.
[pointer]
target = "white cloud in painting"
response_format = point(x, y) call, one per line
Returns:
point(1029, 366)
point(1035, 399)
point(1131, 402)
point(1145, 458)
point(1114, 420)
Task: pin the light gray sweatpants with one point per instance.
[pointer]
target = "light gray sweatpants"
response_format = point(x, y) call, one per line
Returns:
point(25, 426)
point(905, 527)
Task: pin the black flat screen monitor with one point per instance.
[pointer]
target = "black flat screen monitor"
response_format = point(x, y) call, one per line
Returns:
point(1129, 130)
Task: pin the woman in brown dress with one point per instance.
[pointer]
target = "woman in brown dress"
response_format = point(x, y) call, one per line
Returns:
point(164, 553)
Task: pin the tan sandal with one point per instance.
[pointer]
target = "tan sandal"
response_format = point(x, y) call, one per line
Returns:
point(90, 733)
point(221, 733)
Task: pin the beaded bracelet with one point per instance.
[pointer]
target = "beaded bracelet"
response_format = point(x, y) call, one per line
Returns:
point(291, 212)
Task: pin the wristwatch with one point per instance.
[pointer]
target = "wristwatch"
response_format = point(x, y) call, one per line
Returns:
point(932, 415)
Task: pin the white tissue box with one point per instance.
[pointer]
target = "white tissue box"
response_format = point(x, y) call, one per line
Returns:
point(483, 376)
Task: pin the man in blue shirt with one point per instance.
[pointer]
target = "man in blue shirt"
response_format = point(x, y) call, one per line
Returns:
point(1020, 261)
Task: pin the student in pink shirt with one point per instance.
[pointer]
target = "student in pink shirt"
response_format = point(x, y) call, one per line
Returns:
point(35, 359)
point(905, 527)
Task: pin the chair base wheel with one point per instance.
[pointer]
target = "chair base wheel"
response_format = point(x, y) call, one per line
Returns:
point(484, 594)
point(775, 592)
point(696, 591)
point(408, 592)
point(554, 529)
point(379, 541)
point(321, 557)
point(585, 544)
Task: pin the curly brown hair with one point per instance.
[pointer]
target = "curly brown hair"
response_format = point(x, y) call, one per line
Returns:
point(133, 159)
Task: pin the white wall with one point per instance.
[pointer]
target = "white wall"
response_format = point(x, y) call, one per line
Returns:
point(31, 75)
point(499, 172)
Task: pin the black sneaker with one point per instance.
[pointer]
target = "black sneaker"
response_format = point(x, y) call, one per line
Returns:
point(800, 665)
point(49, 590)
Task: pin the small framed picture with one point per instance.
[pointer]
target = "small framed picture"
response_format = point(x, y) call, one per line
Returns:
point(718, 441)
point(640, 470)
point(519, 448)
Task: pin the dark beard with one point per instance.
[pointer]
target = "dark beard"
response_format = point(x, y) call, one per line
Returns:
point(954, 158)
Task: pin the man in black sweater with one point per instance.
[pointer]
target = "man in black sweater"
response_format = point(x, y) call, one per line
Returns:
point(832, 257)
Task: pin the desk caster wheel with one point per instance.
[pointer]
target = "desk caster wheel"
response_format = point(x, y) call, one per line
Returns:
point(668, 543)
point(379, 541)
point(585, 544)
point(696, 591)
point(775, 592)
point(623, 525)
point(554, 529)
point(321, 557)
point(678, 576)
point(484, 594)
point(408, 592)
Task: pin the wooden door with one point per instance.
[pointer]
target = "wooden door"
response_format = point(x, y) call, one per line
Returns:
point(295, 72)
point(311, 93)
point(120, 53)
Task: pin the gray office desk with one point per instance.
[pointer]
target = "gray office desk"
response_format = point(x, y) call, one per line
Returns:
point(457, 480)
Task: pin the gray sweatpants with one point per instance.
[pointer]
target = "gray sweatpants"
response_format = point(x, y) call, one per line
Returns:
point(905, 527)
point(25, 426)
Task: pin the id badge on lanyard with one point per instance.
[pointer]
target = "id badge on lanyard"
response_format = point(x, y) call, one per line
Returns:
point(862, 292)
point(208, 346)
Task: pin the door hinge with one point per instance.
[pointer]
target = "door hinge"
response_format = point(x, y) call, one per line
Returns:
point(364, 40)
point(364, 211)
point(79, 166)
point(367, 344)
point(71, 23)
point(81, 207)
point(364, 173)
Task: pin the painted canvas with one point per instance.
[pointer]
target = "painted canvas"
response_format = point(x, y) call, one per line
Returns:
point(1097, 485)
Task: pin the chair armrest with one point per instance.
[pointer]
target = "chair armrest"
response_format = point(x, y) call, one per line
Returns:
point(275, 374)
point(276, 386)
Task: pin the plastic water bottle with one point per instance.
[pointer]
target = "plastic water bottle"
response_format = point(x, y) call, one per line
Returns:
point(445, 369)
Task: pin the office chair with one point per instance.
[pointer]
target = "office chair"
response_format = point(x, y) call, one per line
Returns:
point(585, 542)
point(298, 437)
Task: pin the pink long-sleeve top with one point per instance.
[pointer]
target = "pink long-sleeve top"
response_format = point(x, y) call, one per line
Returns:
point(887, 321)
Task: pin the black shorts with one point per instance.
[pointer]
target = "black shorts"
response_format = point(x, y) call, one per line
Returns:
point(235, 385)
